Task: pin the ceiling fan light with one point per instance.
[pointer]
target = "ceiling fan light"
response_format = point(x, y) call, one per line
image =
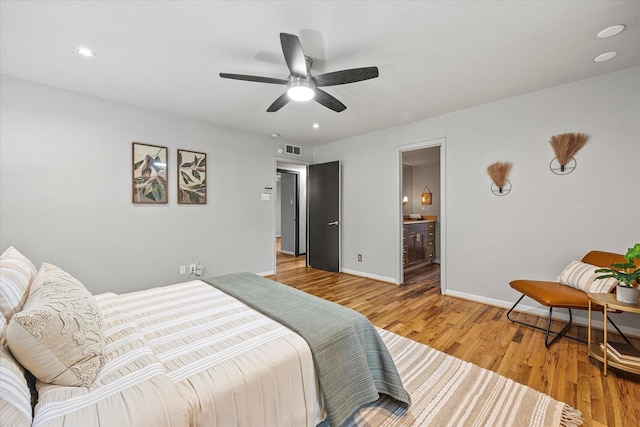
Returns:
point(300, 93)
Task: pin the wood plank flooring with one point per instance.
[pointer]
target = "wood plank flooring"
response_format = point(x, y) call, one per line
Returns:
point(480, 334)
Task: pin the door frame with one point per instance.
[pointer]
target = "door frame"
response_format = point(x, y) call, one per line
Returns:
point(296, 232)
point(430, 143)
point(288, 161)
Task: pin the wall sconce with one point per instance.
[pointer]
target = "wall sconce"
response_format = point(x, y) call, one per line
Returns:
point(498, 172)
point(565, 146)
point(405, 200)
point(426, 195)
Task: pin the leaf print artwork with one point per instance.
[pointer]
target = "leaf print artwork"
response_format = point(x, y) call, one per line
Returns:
point(149, 173)
point(192, 177)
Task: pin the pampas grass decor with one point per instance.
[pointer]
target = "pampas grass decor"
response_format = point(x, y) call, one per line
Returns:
point(566, 145)
point(498, 172)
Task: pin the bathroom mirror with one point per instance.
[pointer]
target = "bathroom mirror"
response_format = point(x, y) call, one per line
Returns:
point(407, 185)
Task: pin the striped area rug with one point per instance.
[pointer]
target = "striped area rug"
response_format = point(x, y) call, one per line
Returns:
point(447, 391)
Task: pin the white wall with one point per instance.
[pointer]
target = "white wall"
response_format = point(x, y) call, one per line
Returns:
point(65, 191)
point(546, 221)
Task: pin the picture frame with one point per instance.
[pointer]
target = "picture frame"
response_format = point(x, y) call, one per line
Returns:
point(192, 177)
point(149, 183)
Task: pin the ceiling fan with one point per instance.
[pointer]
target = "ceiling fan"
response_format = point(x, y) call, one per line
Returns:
point(301, 85)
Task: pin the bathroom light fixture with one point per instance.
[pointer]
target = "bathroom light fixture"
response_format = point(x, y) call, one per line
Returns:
point(405, 200)
point(300, 89)
point(426, 195)
point(85, 52)
point(316, 126)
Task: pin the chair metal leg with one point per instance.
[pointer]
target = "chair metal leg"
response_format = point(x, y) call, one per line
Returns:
point(619, 331)
point(547, 331)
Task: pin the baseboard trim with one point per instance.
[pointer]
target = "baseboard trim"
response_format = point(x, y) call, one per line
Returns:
point(369, 276)
point(266, 273)
point(543, 311)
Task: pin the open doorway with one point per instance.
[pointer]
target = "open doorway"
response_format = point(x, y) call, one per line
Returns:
point(290, 213)
point(422, 213)
point(288, 196)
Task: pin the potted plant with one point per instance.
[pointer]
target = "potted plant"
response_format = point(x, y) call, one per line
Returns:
point(627, 275)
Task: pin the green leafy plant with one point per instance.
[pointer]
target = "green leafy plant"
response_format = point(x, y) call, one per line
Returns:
point(192, 184)
point(624, 272)
point(149, 182)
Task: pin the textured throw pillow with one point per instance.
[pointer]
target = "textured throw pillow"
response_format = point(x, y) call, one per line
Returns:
point(583, 276)
point(16, 274)
point(58, 335)
point(15, 397)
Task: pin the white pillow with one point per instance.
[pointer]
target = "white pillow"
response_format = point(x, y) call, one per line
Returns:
point(58, 335)
point(16, 275)
point(582, 276)
point(15, 396)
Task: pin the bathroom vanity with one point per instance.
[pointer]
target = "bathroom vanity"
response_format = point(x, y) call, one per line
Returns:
point(419, 243)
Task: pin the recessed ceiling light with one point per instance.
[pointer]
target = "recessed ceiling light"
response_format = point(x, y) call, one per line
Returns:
point(85, 52)
point(605, 56)
point(611, 31)
point(275, 135)
point(316, 126)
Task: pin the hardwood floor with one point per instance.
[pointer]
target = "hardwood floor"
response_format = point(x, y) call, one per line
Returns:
point(480, 334)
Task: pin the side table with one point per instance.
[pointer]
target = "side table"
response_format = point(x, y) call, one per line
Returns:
point(609, 301)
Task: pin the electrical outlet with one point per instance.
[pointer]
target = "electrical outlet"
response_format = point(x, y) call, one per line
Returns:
point(192, 268)
point(183, 269)
point(359, 257)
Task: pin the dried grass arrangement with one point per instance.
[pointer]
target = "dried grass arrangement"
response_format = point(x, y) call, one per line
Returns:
point(566, 145)
point(498, 172)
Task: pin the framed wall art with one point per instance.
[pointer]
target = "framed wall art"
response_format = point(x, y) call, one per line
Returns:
point(192, 177)
point(149, 173)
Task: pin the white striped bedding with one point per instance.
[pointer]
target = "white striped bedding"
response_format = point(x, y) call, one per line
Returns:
point(189, 355)
point(233, 365)
point(131, 389)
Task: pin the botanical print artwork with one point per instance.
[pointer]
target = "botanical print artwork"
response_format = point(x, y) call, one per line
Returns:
point(192, 177)
point(149, 173)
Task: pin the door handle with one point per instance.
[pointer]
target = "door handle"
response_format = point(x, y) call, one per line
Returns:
point(334, 223)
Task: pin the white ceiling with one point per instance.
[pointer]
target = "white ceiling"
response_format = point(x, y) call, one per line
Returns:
point(434, 57)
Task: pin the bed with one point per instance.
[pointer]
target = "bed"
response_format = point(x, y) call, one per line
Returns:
point(234, 350)
point(188, 354)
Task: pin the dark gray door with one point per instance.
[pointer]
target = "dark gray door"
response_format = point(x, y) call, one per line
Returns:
point(289, 212)
point(323, 247)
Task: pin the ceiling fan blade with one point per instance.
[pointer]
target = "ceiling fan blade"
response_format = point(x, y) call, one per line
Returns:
point(279, 103)
point(293, 54)
point(258, 79)
point(329, 101)
point(346, 76)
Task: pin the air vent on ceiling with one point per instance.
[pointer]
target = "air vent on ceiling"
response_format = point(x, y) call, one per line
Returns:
point(292, 149)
